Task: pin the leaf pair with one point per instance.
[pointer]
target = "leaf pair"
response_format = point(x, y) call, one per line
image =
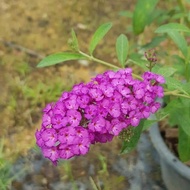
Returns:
point(68, 56)
point(122, 47)
point(122, 44)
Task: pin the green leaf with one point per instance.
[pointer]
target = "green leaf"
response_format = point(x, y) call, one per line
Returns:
point(179, 41)
point(148, 123)
point(136, 59)
point(179, 112)
point(166, 71)
point(174, 84)
point(171, 108)
point(156, 67)
point(161, 114)
point(184, 114)
point(58, 58)
point(183, 119)
point(154, 42)
point(122, 48)
point(184, 144)
point(142, 13)
point(74, 40)
point(179, 64)
point(186, 87)
point(172, 27)
point(131, 143)
point(98, 35)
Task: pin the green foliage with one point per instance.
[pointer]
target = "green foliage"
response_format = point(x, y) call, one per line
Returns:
point(154, 42)
point(6, 177)
point(5, 168)
point(43, 93)
point(148, 123)
point(130, 143)
point(166, 71)
point(172, 27)
point(75, 44)
point(141, 16)
point(174, 84)
point(178, 111)
point(137, 59)
point(93, 183)
point(179, 41)
point(98, 35)
point(176, 73)
point(58, 58)
point(69, 172)
point(22, 68)
point(108, 181)
point(122, 48)
point(184, 141)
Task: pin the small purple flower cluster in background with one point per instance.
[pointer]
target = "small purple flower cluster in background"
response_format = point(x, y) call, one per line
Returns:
point(96, 112)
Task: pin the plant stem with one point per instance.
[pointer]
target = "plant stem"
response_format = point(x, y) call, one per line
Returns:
point(105, 63)
point(181, 5)
point(174, 93)
point(98, 60)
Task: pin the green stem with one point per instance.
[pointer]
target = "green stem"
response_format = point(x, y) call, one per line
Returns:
point(174, 93)
point(105, 63)
point(98, 60)
point(181, 5)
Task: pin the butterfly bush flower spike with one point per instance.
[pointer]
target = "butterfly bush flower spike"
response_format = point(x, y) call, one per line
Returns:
point(96, 112)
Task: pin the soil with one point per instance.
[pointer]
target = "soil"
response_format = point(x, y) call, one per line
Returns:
point(30, 31)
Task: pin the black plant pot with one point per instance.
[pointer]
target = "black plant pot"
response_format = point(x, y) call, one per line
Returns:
point(175, 174)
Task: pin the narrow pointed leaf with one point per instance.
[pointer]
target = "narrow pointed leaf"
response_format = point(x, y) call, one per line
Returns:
point(122, 48)
point(184, 145)
point(141, 16)
point(58, 58)
point(172, 27)
point(184, 116)
point(174, 84)
point(131, 143)
point(166, 71)
point(136, 59)
point(148, 123)
point(179, 41)
point(98, 35)
point(74, 40)
point(183, 120)
point(154, 42)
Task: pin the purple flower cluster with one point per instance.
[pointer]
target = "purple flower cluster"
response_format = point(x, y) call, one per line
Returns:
point(96, 112)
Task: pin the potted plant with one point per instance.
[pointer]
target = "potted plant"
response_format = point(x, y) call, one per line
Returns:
point(171, 134)
point(118, 103)
point(171, 138)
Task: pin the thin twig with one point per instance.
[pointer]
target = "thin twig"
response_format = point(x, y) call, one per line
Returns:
point(21, 48)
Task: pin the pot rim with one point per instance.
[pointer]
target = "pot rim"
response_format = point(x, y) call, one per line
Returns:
point(165, 152)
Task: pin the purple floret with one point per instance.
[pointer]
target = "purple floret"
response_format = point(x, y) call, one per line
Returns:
point(96, 112)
